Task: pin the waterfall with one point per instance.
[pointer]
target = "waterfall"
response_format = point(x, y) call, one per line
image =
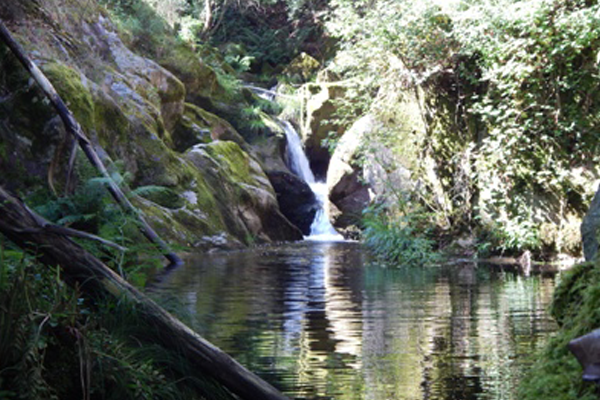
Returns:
point(320, 229)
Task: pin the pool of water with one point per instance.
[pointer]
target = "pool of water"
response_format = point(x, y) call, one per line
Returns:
point(323, 321)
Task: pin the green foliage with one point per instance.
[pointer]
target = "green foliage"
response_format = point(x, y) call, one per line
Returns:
point(239, 63)
point(331, 141)
point(556, 373)
point(510, 88)
point(511, 236)
point(91, 209)
point(140, 24)
point(399, 238)
point(54, 344)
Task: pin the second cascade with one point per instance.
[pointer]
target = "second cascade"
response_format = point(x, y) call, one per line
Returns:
point(320, 229)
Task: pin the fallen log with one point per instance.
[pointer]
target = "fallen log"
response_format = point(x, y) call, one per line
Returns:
point(96, 280)
point(74, 129)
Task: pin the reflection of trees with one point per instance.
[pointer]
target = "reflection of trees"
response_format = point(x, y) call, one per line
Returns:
point(396, 309)
point(316, 320)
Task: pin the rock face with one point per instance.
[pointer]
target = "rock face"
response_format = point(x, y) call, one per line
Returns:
point(348, 194)
point(243, 195)
point(296, 200)
point(319, 125)
point(590, 228)
point(354, 185)
point(139, 113)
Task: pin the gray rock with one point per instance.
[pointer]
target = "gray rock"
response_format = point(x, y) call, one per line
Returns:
point(590, 229)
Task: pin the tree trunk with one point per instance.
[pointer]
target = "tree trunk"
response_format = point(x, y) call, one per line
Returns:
point(96, 280)
point(73, 128)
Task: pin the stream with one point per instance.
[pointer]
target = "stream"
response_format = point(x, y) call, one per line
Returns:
point(322, 320)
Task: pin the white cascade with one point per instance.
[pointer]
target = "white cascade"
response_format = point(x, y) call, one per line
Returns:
point(267, 94)
point(320, 229)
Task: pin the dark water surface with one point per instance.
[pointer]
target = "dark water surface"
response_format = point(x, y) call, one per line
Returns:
point(321, 321)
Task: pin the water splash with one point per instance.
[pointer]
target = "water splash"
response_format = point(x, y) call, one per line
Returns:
point(320, 229)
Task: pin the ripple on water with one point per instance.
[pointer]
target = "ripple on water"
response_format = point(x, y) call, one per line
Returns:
point(320, 321)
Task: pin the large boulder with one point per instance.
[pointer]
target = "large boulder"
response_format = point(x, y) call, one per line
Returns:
point(200, 126)
point(296, 199)
point(321, 124)
point(134, 111)
point(590, 229)
point(243, 193)
point(270, 147)
point(361, 170)
point(349, 195)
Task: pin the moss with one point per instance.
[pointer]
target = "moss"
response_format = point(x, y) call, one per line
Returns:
point(302, 68)
point(112, 125)
point(76, 96)
point(230, 156)
point(199, 78)
point(556, 373)
point(165, 197)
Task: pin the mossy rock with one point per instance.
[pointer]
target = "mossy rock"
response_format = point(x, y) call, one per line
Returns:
point(200, 80)
point(302, 68)
point(164, 197)
point(321, 124)
point(556, 373)
point(77, 97)
point(200, 126)
point(231, 157)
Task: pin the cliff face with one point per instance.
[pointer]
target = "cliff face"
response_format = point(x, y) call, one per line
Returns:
point(147, 114)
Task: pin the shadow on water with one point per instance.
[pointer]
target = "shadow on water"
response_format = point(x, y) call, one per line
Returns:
point(322, 320)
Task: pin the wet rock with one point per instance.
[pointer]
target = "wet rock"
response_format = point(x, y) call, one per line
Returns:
point(296, 200)
point(200, 126)
point(587, 351)
point(271, 146)
point(590, 227)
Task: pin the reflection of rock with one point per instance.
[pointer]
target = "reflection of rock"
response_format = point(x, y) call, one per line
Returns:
point(466, 275)
point(296, 200)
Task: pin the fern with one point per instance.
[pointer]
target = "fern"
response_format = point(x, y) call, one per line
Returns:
point(149, 190)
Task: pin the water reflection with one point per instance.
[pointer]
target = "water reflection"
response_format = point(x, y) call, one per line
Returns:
point(320, 321)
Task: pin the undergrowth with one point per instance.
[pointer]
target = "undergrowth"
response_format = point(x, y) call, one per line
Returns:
point(55, 344)
point(402, 238)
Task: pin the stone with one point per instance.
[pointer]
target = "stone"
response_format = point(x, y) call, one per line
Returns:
point(243, 193)
point(348, 193)
point(134, 111)
point(320, 123)
point(301, 68)
point(586, 349)
point(590, 229)
point(296, 199)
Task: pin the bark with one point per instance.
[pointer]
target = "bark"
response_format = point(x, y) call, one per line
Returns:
point(207, 17)
point(96, 280)
point(73, 128)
